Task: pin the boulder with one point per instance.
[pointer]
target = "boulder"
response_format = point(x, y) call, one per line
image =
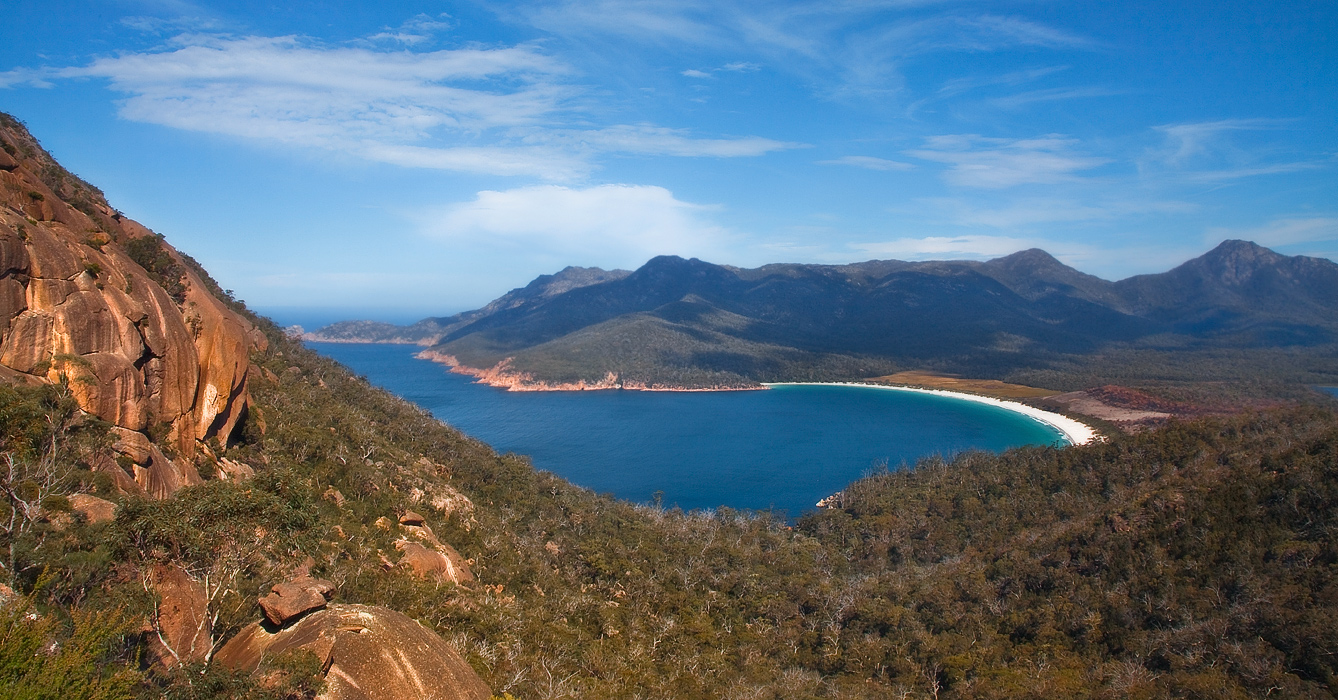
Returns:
point(164, 477)
point(334, 496)
point(28, 341)
point(132, 444)
point(289, 601)
point(93, 508)
point(441, 562)
point(109, 387)
point(411, 518)
point(231, 470)
point(182, 631)
point(369, 653)
point(446, 499)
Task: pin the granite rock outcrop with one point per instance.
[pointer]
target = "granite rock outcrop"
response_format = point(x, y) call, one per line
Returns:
point(366, 652)
point(103, 305)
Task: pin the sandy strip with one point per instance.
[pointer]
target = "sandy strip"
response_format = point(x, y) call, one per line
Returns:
point(1076, 432)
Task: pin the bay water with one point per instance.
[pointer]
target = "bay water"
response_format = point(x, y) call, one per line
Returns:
point(782, 449)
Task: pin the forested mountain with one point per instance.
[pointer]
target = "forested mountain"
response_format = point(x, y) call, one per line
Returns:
point(692, 323)
point(1198, 560)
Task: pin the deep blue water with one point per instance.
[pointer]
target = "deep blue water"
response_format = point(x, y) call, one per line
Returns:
point(1331, 389)
point(784, 448)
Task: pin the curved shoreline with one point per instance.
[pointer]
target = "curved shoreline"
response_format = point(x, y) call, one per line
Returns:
point(1075, 431)
point(501, 376)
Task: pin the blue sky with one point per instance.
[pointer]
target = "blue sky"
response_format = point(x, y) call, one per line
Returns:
point(396, 160)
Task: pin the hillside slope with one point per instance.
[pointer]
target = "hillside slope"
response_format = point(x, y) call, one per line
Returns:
point(1194, 561)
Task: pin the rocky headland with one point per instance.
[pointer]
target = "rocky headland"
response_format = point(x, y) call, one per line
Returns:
point(98, 303)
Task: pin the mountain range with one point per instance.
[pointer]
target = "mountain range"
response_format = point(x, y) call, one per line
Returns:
point(689, 323)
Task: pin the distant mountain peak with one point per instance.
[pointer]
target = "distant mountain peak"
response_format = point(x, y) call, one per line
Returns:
point(673, 266)
point(1234, 262)
point(1029, 259)
point(1237, 252)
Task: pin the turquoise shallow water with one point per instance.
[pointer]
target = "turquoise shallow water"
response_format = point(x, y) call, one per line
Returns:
point(784, 448)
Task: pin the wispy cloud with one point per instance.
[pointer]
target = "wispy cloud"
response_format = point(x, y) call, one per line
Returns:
point(1249, 171)
point(1184, 142)
point(1026, 213)
point(499, 110)
point(1053, 95)
point(736, 67)
point(1223, 150)
point(995, 163)
point(949, 246)
point(848, 46)
point(619, 224)
point(417, 30)
point(868, 163)
point(646, 139)
point(1282, 231)
point(957, 86)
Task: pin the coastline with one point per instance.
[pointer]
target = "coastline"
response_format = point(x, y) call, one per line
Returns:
point(1075, 431)
point(502, 376)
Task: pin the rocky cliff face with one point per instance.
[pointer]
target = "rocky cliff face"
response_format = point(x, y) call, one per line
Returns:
point(101, 303)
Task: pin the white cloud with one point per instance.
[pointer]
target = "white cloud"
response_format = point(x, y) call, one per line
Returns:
point(547, 163)
point(653, 140)
point(736, 67)
point(355, 100)
point(620, 225)
point(1219, 151)
point(868, 163)
point(994, 163)
point(1052, 95)
point(1248, 171)
point(950, 246)
point(498, 110)
point(1031, 211)
point(1186, 141)
point(1281, 232)
point(851, 46)
point(417, 30)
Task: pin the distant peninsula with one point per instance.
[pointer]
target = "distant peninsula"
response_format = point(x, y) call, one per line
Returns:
point(1240, 323)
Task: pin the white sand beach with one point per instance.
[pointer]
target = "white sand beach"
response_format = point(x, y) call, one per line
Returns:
point(1075, 432)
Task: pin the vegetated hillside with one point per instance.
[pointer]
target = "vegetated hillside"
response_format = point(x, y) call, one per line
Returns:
point(690, 323)
point(1196, 560)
